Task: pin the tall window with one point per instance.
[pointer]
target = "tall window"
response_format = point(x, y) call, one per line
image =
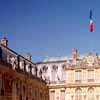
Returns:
point(63, 72)
point(17, 88)
point(90, 75)
point(62, 95)
point(78, 95)
point(20, 97)
point(52, 95)
point(1, 86)
point(97, 97)
point(97, 74)
point(0, 83)
point(24, 90)
point(90, 94)
point(84, 76)
point(78, 76)
point(44, 70)
point(26, 98)
point(54, 72)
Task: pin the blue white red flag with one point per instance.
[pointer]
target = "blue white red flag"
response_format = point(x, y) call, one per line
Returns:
point(91, 22)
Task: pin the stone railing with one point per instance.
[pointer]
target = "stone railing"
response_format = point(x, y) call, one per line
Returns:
point(82, 66)
point(58, 82)
point(17, 62)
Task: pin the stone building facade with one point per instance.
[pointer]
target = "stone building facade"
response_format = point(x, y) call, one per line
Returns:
point(72, 78)
point(18, 77)
point(55, 78)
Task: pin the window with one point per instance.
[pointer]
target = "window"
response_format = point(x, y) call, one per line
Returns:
point(78, 76)
point(63, 72)
point(24, 90)
point(90, 94)
point(2, 92)
point(1, 86)
point(52, 95)
point(44, 69)
point(20, 98)
point(97, 97)
point(26, 98)
point(62, 95)
point(40, 73)
point(69, 76)
point(84, 76)
point(17, 89)
point(0, 83)
point(54, 72)
point(90, 75)
point(97, 74)
point(78, 95)
point(53, 76)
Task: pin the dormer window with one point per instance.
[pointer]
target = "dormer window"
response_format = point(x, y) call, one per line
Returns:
point(44, 69)
point(64, 67)
point(54, 67)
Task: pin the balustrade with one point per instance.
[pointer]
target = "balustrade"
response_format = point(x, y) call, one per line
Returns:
point(17, 62)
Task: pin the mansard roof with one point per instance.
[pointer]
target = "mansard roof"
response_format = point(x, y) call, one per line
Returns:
point(90, 59)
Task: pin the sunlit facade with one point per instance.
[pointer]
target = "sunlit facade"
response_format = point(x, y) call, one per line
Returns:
point(73, 78)
point(55, 78)
point(18, 77)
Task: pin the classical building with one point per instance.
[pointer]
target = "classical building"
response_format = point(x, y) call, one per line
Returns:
point(55, 78)
point(72, 78)
point(18, 76)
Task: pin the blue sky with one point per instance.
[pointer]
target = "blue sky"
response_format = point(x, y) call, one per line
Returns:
point(50, 27)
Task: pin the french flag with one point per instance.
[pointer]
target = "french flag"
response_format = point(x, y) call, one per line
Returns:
point(91, 22)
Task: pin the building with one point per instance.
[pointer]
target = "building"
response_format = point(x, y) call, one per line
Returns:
point(72, 78)
point(55, 78)
point(18, 77)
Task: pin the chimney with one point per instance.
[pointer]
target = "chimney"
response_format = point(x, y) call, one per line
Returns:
point(28, 56)
point(74, 54)
point(4, 41)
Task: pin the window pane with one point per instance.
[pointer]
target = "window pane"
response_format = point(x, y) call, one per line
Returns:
point(52, 95)
point(62, 96)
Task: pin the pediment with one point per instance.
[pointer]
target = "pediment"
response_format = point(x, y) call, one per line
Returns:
point(90, 59)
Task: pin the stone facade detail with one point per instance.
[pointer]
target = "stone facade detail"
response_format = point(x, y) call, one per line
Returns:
point(55, 78)
point(73, 78)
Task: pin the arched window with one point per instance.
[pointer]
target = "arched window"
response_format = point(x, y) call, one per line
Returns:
point(44, 69)
point(90, 94)
point(78, 95)
point(63, 66)
point(54, 68)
